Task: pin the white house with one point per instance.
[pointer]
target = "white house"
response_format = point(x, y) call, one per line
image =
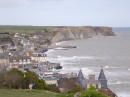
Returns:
point(39, 57)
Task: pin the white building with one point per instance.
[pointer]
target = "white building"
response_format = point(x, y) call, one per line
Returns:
point(39, 57)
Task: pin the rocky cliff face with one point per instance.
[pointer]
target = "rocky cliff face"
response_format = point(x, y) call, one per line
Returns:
point(72, 33)
point(56, 34)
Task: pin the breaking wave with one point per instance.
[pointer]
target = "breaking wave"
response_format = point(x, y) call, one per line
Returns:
point(72, 59)
point(123, 94)
point(59, 43)
point(119, 82)
point(75, 58)
point(50, 51)
point(108, 67)
point(129, 69)
point(86, 71)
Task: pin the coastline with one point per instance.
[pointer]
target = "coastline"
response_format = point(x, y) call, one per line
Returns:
point(110, 54)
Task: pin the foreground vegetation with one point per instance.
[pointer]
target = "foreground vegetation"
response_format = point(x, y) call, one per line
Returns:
point(15, 83)
point(16, 79)
point(26, 93)
point(92, 92)
point(42, 93)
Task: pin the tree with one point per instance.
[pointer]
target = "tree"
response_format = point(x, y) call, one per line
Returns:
point(30, 77)
point(14, 78)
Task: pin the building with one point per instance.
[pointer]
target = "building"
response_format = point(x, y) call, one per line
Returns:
point(81, 80)
point(4, 59)
point(17, 35)
point(39, 57)
point(100, 83)
point(66, 85)
point(85, 83)
point(19, 61)
point(51, 80)
point(91, 81)
point(102, 80)
point(25, 41)
point(50, 77)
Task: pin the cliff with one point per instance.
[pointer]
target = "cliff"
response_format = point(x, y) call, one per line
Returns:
point(72, 33)
point(59, 33)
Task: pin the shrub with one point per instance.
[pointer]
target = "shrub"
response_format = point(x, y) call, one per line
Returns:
point(92, 92)
point(41, 84)
point(53, 88)
point(66, 95)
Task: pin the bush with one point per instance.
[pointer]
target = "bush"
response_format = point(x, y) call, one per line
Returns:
point(41, 84)
point(53, 88)
point(66, 95)
point(92, 92)
point(76, 89)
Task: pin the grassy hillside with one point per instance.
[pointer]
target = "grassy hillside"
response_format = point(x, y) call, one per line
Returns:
point(25, 29)
point(26, 93)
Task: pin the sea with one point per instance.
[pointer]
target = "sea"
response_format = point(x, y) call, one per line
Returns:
point(110, 52)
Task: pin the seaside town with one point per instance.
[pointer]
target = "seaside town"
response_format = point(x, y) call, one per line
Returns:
point(65, 48)
point(29, 54)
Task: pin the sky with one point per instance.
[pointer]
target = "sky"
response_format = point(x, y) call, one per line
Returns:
point(113, 13)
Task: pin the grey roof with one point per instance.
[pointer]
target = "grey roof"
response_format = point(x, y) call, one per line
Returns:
point(80, 75)
point(82, 81)
point(102, 75)
point(49, 78)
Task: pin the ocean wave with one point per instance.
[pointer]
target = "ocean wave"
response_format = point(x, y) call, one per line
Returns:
point(129, 69)
point(75, 58)
point(60, 48)
point(118, 83)
point(69, 69)
point(59, 43)
point(50, 51)
point(87, 71)
point(71, 60)
point(111, 67)
point(122, 94)
point(107, 67)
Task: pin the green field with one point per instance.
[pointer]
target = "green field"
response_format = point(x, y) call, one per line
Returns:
point(24, 28)
point(26, 93)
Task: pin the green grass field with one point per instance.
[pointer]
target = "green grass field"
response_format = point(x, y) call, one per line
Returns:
point(26, 93)
point(24, 28)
